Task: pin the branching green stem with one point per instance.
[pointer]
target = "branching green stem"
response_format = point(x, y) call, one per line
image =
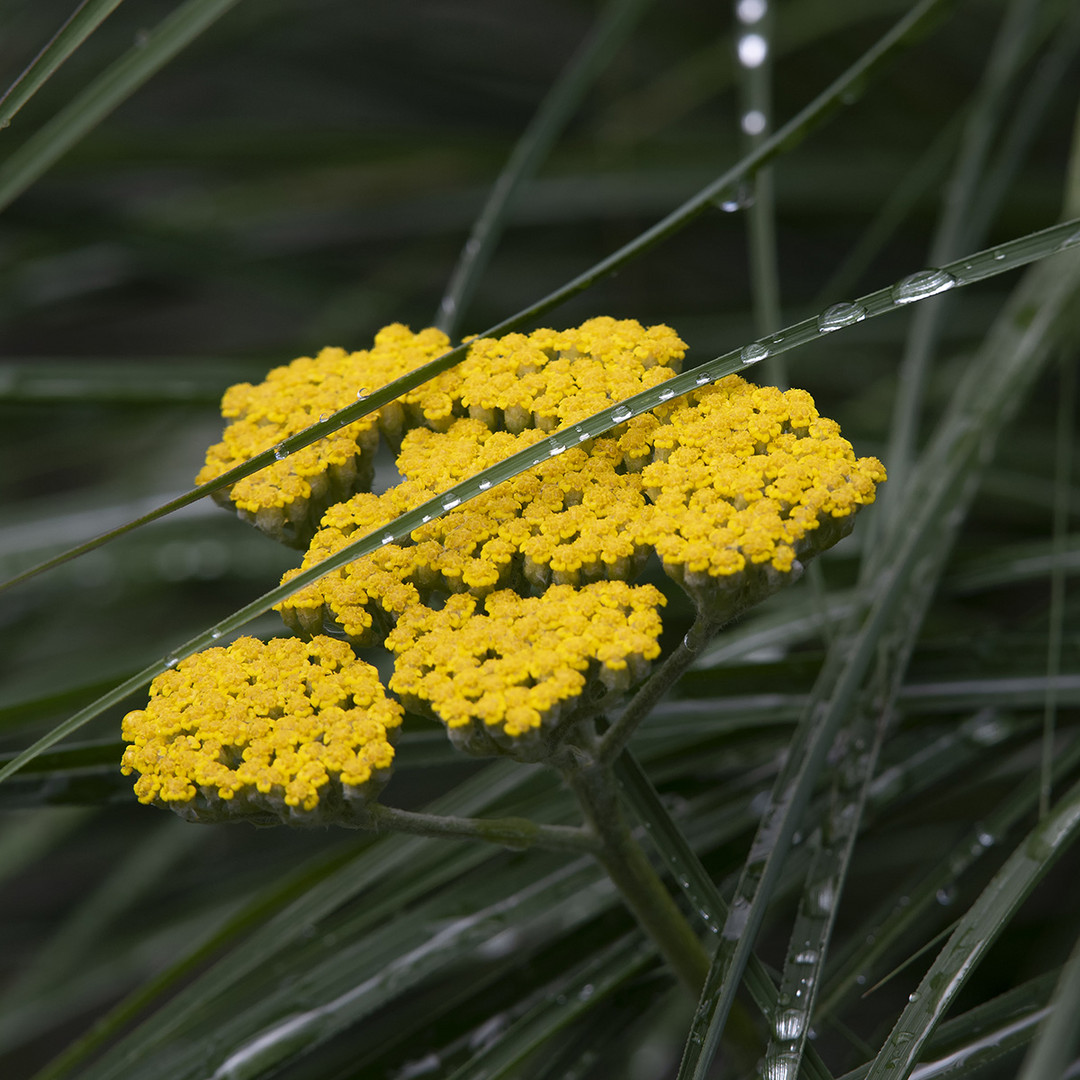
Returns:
point(512, 832)
point(633, 875)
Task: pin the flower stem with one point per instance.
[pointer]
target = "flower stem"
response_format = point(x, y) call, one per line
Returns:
point(655, 687)
point(512, 832)
point(633, 874)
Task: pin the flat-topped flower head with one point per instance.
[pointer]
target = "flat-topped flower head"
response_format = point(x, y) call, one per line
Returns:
point(745, 485)
point(511, 674)
point(282, 731)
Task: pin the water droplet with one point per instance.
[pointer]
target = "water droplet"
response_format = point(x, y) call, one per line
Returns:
point(753, 122)
point(999, 255)
point(586, 992)
point(556, 450)
point(860, 980)
point(703, 379)
point(1071, 241)
point(448, 305)
point(752, 50)
point(280, 453)
point(388, 539)
point(171, 661)
point(215, 633)
point(986, 839)
point(750, 11)
point(920, 285)
point(361, 393)
point(451, 503)
point(666, 394)
point(789, 1024)
point(807, 956)
point(913, 996)
point(946, 896)
point(753, 353)
point(621, 413)
point(425, 519)
point(822, 899)
point(781, 1066)
point(840, 315)
point(484, 485)
point(584, 437)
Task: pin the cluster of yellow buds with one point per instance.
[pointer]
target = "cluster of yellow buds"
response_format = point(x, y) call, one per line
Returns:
point(513, 616)
point(264, 731)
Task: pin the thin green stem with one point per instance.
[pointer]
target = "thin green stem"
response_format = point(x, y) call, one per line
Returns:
point(512, 832)
point(615, 739)
point(633, 875)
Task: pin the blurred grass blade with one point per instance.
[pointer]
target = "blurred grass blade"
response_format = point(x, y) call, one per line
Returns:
point(977, 931)
point(614, 26)
point(966, 271)
point(831, 99)
point(80, 24)
point(117, 83)
point(1063, 451)
point(1058, 1038)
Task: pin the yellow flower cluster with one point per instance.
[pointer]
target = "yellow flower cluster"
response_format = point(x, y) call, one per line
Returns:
point(284, 730)
point(517, 382)
point(512, 615)
point(511, 677)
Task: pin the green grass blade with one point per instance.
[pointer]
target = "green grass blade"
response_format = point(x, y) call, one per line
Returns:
point(976, 932)
point(117, 83)
point(80, 24)
point(962, 272)
point(613, 27)
point(785, 139)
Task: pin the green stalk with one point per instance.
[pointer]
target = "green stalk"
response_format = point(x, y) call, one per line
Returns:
point(632, 873)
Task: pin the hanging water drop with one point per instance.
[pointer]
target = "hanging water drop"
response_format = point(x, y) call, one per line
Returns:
point(666, 394)
point(753, 353)
point(361, 393)
point(920, 285)
point(280, 453)
point(913, 996)
point(838, 316)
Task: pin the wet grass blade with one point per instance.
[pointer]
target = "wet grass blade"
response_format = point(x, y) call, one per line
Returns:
point(978, 929)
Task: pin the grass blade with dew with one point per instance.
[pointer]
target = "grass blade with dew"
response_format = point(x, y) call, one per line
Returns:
point(965, 271)
point(827, 102)
point(976, 932)
point(614, 26)
point(114, 86)
point(78, 26)
point(1024, 335)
